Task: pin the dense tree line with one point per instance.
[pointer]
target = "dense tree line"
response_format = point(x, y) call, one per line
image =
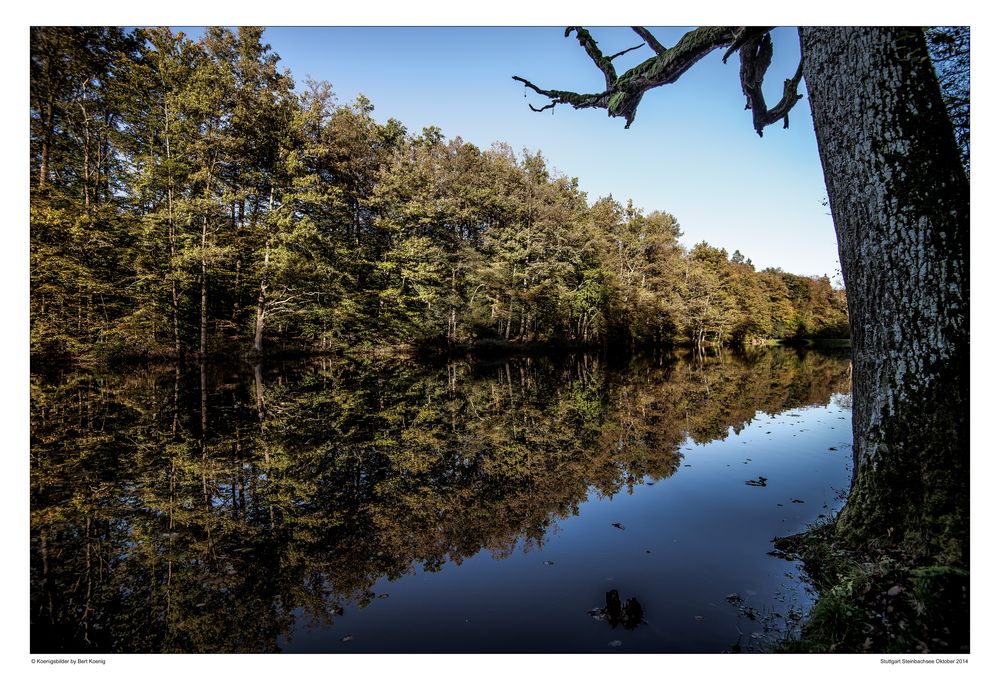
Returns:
point(188, 199)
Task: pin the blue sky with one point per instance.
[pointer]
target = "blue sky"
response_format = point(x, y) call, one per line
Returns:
point(691, 150)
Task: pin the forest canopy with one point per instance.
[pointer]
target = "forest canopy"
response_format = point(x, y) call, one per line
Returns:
point(188, 199)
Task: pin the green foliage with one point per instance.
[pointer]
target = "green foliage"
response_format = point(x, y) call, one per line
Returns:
point(186, 199)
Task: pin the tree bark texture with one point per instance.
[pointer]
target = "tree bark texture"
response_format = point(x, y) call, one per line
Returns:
point(900, 205)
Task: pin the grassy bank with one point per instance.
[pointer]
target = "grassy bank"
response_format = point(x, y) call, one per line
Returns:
point(885, 602)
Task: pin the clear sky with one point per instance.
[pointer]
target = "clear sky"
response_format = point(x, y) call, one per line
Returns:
point(691, 151)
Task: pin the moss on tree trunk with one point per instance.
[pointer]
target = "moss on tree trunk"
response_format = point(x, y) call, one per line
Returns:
point(900, 204)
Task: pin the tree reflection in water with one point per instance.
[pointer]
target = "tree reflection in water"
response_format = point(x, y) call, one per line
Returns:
point(167, 506)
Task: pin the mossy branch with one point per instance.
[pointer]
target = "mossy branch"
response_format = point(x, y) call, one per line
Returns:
point(577, 101)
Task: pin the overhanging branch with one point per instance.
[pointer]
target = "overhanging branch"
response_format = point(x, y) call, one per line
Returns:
point(624, 92)
point(618, 54)
point(577, 101)
point(590, 45)
point(650, 40)
point(755, 58)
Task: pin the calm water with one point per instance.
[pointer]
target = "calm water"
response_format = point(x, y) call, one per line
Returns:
point(569, 504)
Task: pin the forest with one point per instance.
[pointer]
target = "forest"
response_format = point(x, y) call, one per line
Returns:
point(188, 199)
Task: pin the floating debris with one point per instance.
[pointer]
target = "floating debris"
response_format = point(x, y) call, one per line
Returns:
point(337, 610)
point(548, 563)
point(796, 500)
point(615, 643)
point(383, 596)
point(347, 638)
point(618, 525)
point(760, 481)
point(628, 616)
point(745, 610)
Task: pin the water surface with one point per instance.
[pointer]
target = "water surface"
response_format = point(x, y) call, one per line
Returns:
point(373, 505)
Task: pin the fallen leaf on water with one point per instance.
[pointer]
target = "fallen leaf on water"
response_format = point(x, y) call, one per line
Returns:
point(615, 643)
point(618, 525)
point(347, 638)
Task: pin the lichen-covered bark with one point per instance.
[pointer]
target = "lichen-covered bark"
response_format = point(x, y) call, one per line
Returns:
point(900, 204)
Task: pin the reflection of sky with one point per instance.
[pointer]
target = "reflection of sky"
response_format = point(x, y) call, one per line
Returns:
point(691, 151)
point(689, 542)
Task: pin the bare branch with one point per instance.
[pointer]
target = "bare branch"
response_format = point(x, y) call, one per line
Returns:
point(618, 54)
point(650, 40)
point(577, 101)
point(624, 92)
point(537, 109)
point(755, 57)
point(746, 34)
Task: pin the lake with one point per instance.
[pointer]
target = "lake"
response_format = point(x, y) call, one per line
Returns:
point(570, 503)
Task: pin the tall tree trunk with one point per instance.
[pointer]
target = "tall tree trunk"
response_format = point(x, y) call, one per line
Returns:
point(237, 286)
point(203, 345)
point(86, 155)
point(172, 234)
point(900, 204)
point(258, 336)
point(47, 133)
